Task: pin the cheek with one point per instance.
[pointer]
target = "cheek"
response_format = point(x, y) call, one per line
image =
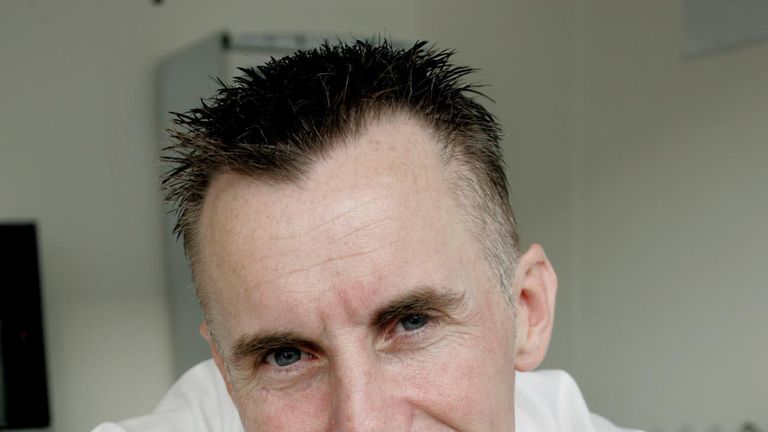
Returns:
point(267, 411)
point(470, 389)
point(469, 382)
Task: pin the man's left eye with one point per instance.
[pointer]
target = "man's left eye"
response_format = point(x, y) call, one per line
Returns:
point(414, 322)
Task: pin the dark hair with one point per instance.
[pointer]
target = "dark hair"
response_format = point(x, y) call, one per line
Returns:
point(278, 118)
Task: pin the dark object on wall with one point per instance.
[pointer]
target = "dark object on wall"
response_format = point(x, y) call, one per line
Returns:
point(750, 427)
point(711, 26)
point(23, 389)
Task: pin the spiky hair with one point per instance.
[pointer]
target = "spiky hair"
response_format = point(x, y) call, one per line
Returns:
point(278, 118)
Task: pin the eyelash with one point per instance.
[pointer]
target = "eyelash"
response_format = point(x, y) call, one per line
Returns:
point(304, 353)
point(412, 334)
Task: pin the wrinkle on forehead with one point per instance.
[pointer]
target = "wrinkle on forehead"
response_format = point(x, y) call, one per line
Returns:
point(345, 212)
point(300, 239)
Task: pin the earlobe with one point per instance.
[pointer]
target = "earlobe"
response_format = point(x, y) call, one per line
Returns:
point(535, 290)
point(204, 332)
point(216, 354)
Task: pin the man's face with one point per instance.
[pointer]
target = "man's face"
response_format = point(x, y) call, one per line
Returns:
point(357, 299)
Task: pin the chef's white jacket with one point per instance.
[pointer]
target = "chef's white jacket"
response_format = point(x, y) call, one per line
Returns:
point(545, 401)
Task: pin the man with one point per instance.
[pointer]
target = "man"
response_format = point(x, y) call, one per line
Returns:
point(346, 215)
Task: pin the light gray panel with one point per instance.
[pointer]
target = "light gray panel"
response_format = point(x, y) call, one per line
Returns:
point(253, 49)
point(185, 78)
point(716, 25)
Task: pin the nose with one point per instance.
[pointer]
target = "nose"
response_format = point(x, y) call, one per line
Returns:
point(365, 400)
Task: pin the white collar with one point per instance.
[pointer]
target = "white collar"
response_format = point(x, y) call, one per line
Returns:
point(545, 401)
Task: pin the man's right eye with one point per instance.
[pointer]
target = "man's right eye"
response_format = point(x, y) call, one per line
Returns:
point(283, 357)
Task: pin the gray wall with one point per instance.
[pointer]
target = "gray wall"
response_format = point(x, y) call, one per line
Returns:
point(671, 211)
point(643, 175)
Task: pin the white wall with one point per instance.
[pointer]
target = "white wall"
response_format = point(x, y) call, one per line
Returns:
point(671, 211)
point(78, 154)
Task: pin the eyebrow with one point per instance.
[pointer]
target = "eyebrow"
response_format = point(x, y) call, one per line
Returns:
point(422, 299)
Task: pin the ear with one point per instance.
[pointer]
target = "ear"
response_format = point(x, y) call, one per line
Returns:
point(534, 291)
point(216, 354)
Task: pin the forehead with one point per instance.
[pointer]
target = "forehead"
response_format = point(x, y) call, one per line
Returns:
point(372, 218)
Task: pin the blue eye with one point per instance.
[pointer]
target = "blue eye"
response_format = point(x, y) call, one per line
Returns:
point(414, 322)
point(284, 356)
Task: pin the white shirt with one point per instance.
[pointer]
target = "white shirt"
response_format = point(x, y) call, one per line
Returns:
point(545, 401)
